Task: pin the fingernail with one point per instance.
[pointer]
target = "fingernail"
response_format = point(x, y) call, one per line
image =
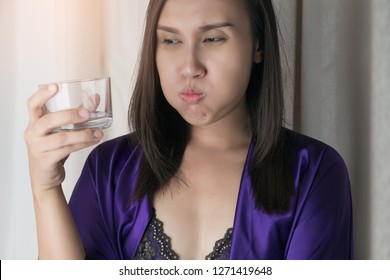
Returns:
point(84, 113)
point(52, 88)
point(98, 134)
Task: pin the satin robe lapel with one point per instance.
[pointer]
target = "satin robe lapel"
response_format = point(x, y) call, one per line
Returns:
point(242, 236)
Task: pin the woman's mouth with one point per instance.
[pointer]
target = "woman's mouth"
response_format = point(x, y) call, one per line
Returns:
point(192, 97)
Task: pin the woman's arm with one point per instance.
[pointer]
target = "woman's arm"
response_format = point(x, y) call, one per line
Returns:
point(323, 226)
point(57, 234)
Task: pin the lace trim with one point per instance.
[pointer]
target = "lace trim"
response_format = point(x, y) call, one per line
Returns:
point(221, 250)
point(156, 245)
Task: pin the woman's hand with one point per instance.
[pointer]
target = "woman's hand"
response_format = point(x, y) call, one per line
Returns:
point(58, 237)
point(48, 151)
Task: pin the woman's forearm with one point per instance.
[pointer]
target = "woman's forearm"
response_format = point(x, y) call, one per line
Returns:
point(58, 237)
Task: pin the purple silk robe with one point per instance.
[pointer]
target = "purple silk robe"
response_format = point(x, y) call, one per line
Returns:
point(317, 226)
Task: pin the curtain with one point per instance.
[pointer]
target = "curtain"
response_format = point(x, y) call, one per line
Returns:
point(53, 40)
point(336, 60)
point(345, 64)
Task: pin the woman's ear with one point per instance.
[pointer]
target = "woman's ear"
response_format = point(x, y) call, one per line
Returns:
point(258, 54)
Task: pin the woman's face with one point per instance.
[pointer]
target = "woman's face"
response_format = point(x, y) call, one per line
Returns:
point(204, 58)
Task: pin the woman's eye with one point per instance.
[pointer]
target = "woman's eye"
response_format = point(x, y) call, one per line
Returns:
point(171, 41)
point(213, 40)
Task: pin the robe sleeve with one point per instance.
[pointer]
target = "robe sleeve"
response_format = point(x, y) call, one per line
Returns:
point(85, 206)
point(323, 226)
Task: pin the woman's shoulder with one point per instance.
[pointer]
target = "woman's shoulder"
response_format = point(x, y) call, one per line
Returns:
point(319, 171)
point(306, 149)
point(116, 151)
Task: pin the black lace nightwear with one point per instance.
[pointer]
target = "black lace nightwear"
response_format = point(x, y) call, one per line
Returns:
point(156, 245)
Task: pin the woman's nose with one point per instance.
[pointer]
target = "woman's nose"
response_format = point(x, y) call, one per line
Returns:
point(192, 66)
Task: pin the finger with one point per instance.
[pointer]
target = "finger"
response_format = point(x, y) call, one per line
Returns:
point(91, 102)
point(59, 140)
point(50, 121)
point(65, 151)
point(35, 102)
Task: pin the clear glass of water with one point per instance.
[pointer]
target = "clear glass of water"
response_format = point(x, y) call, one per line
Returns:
point(92, 94)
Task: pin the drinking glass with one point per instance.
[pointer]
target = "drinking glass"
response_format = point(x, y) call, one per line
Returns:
point(91, 94)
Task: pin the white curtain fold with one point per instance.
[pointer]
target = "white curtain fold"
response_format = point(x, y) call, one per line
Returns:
point(344, 102)
point(52, 40)
point(336, 61)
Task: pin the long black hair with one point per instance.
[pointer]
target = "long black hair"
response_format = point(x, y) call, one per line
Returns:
point(163, 133)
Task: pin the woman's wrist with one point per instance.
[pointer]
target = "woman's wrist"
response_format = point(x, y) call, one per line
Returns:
point(44, 196)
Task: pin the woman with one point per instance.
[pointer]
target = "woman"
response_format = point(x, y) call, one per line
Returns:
point(209, 171)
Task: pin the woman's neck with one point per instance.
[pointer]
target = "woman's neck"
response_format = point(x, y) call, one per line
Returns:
point(225, 134)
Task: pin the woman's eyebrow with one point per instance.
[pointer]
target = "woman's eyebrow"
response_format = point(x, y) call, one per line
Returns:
point(203, 28)
point(168, 29)
point(212, 26)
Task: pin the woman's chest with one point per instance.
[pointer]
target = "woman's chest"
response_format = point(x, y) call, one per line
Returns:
point(198, 210)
